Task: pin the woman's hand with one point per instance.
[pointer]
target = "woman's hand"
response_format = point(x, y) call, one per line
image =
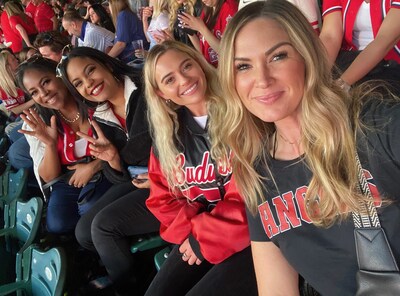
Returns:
point(82, 175)
point(41, 131)
point(192, 22)
point(187, 253)
point(141, 181)
point(147, 12)
point(100, 146)
point(163, 35)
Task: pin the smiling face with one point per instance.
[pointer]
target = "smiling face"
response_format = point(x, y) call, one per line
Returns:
point(46, 89)
point(269, 78)
point(181, 80)
point(92, 80)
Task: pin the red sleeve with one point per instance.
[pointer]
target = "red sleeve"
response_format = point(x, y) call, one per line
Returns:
point(173, 211)
point(219, 233)
point(329, 6)
point(223, 231)
point(48, 12)
point(228, 10)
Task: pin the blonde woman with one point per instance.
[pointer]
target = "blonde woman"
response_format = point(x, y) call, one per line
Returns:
point(192, 7)
point(294, 134)
point(128, 28)
point(159, 20)
point(14, 100)
point(21, 23)
point(192, 194)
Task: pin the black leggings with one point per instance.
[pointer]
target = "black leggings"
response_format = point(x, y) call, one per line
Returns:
point(107, 227)
point(234, 276)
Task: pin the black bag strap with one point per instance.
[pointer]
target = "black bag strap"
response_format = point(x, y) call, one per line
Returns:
point(368, 216)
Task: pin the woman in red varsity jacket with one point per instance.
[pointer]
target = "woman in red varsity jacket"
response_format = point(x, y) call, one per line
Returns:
point(192, 194)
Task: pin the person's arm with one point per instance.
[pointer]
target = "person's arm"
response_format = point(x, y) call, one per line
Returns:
point(275, 276)
point(18, 109)
point(50, 166)
point(116, 50)
point(213, 232)
point(84, 172)
point(387, 37)
point(195, 41)
point(55, 22)
point(197, 24)
point(172, 210)
point(23, 34)
point(332, 35)
point(147, 12)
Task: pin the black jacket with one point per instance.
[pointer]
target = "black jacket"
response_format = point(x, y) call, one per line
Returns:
point(133, 146)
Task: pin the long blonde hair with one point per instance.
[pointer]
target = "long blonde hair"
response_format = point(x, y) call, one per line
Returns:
point(327, 134)
point(116, 7)
point(162, 115)
point(173, 11)
point(159, 7)
point(7, 80)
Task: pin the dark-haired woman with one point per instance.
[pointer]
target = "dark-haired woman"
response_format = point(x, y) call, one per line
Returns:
point(99, 16)
point(61, 158)
point(210, 26)
point(121, 212)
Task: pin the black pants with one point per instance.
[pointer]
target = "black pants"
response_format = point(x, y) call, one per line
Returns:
point(107, 227)
point(234, 276)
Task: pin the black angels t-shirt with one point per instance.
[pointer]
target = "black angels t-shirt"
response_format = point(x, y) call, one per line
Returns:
point(326, 257)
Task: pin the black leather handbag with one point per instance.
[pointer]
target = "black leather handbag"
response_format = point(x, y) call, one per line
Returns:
point(378, 271)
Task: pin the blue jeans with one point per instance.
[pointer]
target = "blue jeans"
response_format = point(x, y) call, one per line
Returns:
point(18, 154)
point(68, 203)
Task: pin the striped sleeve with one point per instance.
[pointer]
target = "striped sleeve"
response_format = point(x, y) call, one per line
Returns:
point(329, 6)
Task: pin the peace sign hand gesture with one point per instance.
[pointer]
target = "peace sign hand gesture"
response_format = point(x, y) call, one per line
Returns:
point(101, 147)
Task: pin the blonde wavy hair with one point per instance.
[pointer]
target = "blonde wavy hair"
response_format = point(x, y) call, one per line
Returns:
point(116, 7)
point(327, 120)
point(162, 115)
point(7, 79)
point(159, 7)
point(173, 11)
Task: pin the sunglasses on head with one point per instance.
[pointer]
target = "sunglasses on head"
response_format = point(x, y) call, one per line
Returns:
point(64, 55)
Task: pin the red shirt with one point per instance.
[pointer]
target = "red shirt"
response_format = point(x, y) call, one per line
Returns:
point(10, 101)
point(9, 34)
point(29, 25)
point(228, 10)
point(66, 145)
point(349, 10)
point(43, 15)
point(30, 9)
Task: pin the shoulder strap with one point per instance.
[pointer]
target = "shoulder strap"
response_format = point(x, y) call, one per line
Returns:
point(368, 216)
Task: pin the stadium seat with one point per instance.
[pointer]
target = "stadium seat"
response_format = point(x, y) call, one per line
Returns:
point(43, 273)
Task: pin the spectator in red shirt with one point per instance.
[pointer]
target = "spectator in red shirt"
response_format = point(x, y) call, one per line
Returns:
point(21, 23)
point(29, 8)
point(9, 34)
point(44, 17)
